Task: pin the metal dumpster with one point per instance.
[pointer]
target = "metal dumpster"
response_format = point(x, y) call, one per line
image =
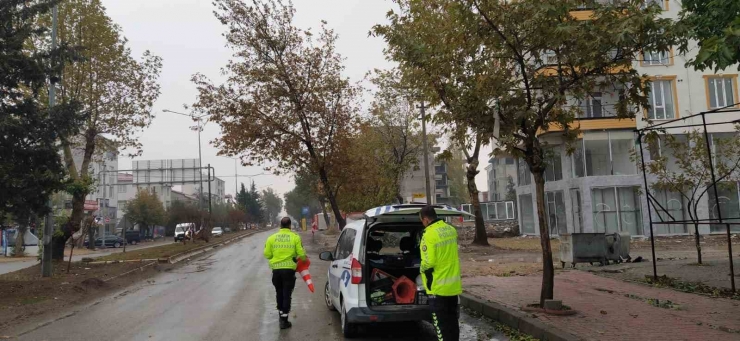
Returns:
point(582, 247)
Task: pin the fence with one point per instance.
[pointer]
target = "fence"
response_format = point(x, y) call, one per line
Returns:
point(493, 210)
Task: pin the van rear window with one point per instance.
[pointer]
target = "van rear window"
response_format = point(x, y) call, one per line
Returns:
point(387, 243)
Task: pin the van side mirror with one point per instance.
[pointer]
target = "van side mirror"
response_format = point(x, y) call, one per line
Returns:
point(326, 255)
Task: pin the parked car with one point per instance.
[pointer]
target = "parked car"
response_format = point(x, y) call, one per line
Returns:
point(107, 241)
point(372, 256)
point(227, 230)
point(133, 237)
point(217, 232)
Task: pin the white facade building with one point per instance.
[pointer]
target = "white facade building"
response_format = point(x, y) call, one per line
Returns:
point(599, 187)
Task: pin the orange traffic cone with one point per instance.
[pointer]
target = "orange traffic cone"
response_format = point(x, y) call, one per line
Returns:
point(302, 268)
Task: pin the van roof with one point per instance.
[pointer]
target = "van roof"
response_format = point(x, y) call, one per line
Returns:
point(412, 209)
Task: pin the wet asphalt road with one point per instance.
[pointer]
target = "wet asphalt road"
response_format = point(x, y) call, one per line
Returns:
point(226, 295)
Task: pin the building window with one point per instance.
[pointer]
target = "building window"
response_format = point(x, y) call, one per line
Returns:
point(663, 4)
point(662, 106)
point(729, 203)
point(591, 106)
point(617, 209)
point(554, 168)
point(721, 91)
point(122, 189)
point(604, 153)
point(524, 175)
point(622, 145)
point(502, 210)
point(555, 211)
point(527, 213)
point(670, 206)
point(597, 153)
point(654, 58)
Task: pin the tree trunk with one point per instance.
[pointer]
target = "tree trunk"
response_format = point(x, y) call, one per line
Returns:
point(90, 233)
point(331, 197)
point(548, 271)
point(20, 239)
point(59, 240)
point(326, 214)
point(481, 238)
point(698, 242)
point(78, 196)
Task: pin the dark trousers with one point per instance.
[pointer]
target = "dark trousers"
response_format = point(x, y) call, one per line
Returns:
point(445, 314)
point(284, 282)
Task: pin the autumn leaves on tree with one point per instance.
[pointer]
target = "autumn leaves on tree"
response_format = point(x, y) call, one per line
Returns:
point(519, 66)
point(114, 90)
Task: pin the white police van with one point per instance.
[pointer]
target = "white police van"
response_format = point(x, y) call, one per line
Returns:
point(374, 273)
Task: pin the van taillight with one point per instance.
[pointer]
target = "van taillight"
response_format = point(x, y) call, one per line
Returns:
point(356, 271)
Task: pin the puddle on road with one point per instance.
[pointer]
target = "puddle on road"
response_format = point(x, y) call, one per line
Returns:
point(478, 329)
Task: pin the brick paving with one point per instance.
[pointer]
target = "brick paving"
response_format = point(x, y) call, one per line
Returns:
point(610, 309)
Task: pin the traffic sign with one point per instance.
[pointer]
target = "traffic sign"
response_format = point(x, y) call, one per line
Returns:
point(304, 211)
point(107, 220)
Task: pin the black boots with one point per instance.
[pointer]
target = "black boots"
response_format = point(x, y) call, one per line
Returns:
point(284, 323)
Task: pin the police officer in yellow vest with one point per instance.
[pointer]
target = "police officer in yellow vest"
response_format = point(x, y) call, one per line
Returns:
point(282, 250)
point(440, 266)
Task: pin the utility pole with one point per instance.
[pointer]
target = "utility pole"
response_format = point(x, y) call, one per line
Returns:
point(103, 203)
point(200, 167)
point(48, 228)
point(427, 180)
point(209, 191)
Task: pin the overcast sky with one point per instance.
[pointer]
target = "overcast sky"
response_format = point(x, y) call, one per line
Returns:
point(188, 37)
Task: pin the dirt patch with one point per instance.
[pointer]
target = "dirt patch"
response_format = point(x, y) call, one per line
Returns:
point(25, 295)
point(473, 269)
point(714, 272)
point(685, 242)
point(93, 283)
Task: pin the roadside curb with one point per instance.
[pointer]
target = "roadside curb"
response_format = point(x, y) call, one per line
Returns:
point(187, 254)
point(515, 319)
point(178, 257)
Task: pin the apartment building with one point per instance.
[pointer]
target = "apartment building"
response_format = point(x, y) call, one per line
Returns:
point(413, 188)
point(598, 188)
point(441, 183)
point(102, 201)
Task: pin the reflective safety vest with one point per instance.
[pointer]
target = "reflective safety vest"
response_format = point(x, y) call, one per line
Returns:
point(440, 264)
point(282, 247)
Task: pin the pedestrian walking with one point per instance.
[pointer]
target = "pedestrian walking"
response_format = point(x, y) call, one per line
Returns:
point(282, 250)
point(440, 266)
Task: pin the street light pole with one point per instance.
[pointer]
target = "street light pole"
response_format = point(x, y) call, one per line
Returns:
point(427, 179)
point(48, 228)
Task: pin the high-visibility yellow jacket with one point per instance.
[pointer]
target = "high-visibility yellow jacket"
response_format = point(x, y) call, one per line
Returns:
point(282, 247)
point(440, 264)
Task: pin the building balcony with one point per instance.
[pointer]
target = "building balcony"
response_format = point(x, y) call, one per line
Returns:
point(586, 10)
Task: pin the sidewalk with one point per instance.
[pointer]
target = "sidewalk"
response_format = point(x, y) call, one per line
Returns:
point(617, 310)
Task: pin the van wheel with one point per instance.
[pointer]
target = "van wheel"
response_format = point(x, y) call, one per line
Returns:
point(349, 330)
point(133, 242)
point(327, 298)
